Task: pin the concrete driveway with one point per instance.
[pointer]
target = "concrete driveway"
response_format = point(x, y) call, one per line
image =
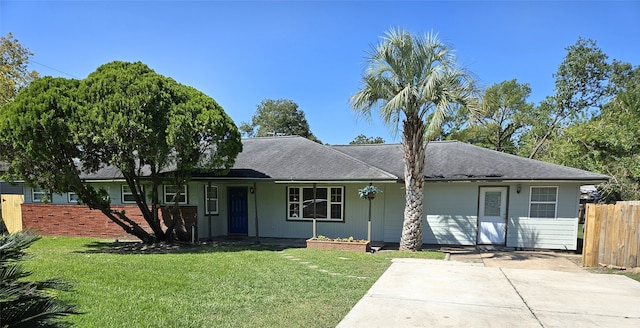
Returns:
point(432, 293)
point(539, 260)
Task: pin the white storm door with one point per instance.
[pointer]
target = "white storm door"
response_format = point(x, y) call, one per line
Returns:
point(492, 216)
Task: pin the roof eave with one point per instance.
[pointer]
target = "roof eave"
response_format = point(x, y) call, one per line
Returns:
point(307, 181)
point(516, 180)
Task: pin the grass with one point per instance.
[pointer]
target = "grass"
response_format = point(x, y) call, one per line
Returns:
point(209, 286)
point(581, 231)
point(634, 276)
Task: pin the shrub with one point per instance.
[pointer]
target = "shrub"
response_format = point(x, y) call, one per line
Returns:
point(27, 303)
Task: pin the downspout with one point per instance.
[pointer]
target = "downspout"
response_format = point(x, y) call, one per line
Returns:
point(315, 229)
point(369, 222)
point(206, 199)
point(255, 204)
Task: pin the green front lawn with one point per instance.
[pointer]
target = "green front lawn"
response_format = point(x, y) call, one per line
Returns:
point(208, 286)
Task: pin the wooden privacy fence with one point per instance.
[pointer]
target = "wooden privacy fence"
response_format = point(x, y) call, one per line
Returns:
point(11, 212)
point(612, 235)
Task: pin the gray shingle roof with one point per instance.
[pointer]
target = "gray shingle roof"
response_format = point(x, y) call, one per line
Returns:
point(297, 158)
point(294, 158)
point(453, 159)
point(387, 157)
point(458, 161)
point(105, 173)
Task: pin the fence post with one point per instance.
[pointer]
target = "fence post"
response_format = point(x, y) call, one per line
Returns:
point(592, 235)
point(616, 236)
point(586, 233)
point(633, 237)
point(605, 213)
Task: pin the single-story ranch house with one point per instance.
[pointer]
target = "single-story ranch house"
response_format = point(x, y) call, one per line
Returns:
point(473, 196)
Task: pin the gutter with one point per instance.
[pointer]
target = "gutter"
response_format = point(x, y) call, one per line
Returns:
point(336, 181)
point(592, 181)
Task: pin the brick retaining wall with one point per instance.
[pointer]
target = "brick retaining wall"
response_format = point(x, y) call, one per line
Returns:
point(80, 221)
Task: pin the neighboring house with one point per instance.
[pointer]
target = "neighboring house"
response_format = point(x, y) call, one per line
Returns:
point(588, 194)
point(472, 195)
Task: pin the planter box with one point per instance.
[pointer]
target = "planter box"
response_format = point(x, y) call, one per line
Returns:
point(341, 245)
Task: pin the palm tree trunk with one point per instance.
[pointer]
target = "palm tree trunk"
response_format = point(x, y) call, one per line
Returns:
point(414, 158)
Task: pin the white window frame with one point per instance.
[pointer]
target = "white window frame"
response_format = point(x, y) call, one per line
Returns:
point(128, 192)
point(41, 193)
point(207, 199)
point(300, 203)
point(168, 196)
point(532, 202)
point(71, 198)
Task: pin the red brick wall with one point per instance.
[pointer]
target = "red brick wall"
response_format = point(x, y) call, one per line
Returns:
point(80, 221)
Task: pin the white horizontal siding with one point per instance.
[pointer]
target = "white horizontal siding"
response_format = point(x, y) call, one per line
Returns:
point(450, 230)
point(451, 213)
point(558, 233)
point(543, 233)
point(393, 212)
point(272, 202)
point(272, 214)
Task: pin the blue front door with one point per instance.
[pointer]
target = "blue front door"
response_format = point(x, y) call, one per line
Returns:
point(238, 207)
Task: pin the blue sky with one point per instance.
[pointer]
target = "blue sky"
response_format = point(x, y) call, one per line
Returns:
point(311, 52)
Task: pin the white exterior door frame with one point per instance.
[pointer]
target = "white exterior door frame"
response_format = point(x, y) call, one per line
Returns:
point(492, 216)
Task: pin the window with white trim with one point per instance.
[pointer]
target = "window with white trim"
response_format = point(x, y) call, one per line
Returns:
point(127, 195)
point(543, 202)
point(39, 195)
point(327, 205)
point(72, 197)
point(211, 199)
point(170, 192)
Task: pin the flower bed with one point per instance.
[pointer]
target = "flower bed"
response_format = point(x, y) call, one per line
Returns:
point(347, 244)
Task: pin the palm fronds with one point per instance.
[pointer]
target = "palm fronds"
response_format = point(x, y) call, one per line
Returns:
point(27, 303)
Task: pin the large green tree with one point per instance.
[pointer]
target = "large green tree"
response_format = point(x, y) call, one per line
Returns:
point(278, 117)
point(413, 81)
point(14, 71)
point(361, 139)
point(505, 113)
point(609, 143)
point(581, 87)
point(124, 115)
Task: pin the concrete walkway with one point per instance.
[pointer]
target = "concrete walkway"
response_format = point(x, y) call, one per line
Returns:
point(432, 293)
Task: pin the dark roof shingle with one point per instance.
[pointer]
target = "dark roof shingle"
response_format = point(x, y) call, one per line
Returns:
point(294, 158)
point(297, 158)
point(454, 160)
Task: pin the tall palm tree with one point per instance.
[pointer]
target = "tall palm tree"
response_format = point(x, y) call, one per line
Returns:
point(416, 80)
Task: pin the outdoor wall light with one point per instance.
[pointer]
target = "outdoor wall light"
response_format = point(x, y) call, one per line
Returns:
point(518, 188)
point(251, 190)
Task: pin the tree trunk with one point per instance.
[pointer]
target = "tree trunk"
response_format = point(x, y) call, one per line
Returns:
point(554, 125)
point(95, 201)
point(133, 228)
point(539, 144)
point(140, 198)
point(155, 208)
point(414, 157)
